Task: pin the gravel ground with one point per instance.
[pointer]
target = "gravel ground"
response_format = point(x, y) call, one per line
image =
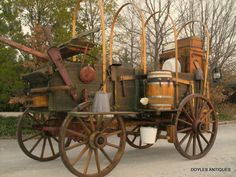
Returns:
point(161, 160)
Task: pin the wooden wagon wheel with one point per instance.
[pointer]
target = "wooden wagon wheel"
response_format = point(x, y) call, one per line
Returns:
point(34, 142)
point(196, 127)
point(133, 138)
point(98, 144)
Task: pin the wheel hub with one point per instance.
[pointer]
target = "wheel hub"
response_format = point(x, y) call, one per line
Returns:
point(199, 126)
point(97, 140)
point(100, 141)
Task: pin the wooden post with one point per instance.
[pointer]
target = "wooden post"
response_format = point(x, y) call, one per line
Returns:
point(104, 53)
point(74, 19)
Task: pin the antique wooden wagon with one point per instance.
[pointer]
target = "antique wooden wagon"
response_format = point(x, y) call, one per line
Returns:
point(59, 120)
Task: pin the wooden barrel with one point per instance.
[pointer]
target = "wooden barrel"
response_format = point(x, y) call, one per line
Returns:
point(160, 90)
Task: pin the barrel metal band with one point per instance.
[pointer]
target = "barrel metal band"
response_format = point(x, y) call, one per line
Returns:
point(165, 79)
point(160, 104)
point(160, 83)
point(160, 96)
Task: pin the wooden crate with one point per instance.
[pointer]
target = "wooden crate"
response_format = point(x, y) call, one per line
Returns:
point(189, 51)
point(192, 42)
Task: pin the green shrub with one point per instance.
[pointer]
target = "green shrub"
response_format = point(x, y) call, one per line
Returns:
point(8, 126)
point(226, 111)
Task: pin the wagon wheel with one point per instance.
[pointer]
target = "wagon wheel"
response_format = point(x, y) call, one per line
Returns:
point(34, 142)
point(98, 144)
point(196, 127)
point(133, 138)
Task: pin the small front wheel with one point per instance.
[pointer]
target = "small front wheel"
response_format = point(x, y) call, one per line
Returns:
point(32, 138)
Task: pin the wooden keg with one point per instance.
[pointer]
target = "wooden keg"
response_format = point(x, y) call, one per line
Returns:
point(160, 90)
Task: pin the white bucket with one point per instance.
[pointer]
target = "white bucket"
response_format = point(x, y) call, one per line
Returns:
point(148, 135)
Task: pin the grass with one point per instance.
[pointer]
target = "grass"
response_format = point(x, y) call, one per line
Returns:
point(226, 111)
point(8, 126)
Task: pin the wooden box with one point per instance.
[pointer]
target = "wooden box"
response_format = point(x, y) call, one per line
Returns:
point(192, 42)
point(189, 51)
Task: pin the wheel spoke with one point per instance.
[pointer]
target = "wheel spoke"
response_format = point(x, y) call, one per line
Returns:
point(36, 144)
point(207, 114)
point(199, 143)
point(187, 114)
point(113, 145)
point(135, 128)
point(99, 122)
point(184, 138)
point(79, 156)
point(88, 161)
point(194, 145)
point(188, 123)
point(204, 138)
point(108, 123)
point(191, 109)
point(140, 142)
point(76, 133)
point(97, 160)
point(53, 137)
point(84, 125)
point(184, 130)
point(113, 133)
point(51, 146)
point(134, 139)
point(43, 148)
point(75, 145)
point(106, 155)
point(197, 108)
point(92, 123)
point(31, 137)
point(189, 142)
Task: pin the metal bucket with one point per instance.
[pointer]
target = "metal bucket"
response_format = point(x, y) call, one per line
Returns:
point(160, 90)
point(148, 135)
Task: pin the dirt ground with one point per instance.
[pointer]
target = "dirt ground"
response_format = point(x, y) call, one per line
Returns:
point(161, 160)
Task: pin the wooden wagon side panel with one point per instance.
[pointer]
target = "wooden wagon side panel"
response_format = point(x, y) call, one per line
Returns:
point(126, 92)
point(62, 100)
